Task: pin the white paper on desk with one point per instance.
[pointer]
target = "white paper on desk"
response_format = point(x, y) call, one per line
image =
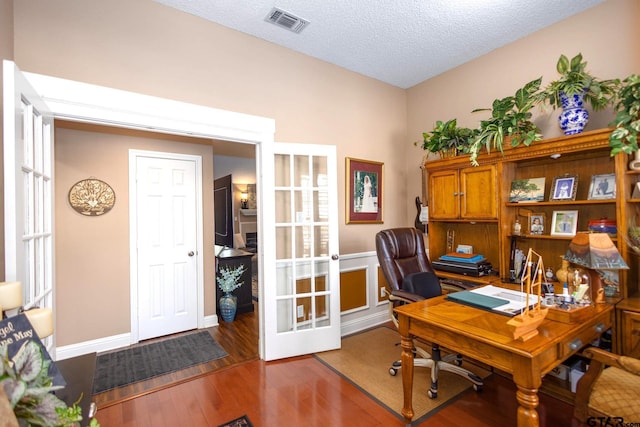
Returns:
point(517, 300)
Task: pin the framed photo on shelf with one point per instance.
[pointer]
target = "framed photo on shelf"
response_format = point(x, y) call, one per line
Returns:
point(564, 188)
point(537, 222)
point(527, 190)
point(364, 191)
point(602, 187)
point(564, 223)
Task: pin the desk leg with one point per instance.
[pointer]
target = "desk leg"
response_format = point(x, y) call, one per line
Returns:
point(407, 370)
point(527, 395)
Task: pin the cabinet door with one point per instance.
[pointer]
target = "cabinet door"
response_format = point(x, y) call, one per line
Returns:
point(443, 195)
point(478, 192)
point(630, 323)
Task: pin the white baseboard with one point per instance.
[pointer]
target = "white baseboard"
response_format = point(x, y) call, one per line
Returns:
point(93, 346)
point(362, 323)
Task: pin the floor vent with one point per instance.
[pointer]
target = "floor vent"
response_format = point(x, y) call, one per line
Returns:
point(286, 20)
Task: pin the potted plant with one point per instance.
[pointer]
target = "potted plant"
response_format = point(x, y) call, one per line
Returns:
point(228, 281)
point(447, 138)
point(575, 87)
point(510, 117)
point(29, 390)
point(624, 137)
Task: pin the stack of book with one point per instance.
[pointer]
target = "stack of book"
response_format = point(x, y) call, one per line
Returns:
point(466, 264)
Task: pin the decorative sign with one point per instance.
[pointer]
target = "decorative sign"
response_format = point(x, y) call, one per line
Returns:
point(16, 331)
point(92, 197)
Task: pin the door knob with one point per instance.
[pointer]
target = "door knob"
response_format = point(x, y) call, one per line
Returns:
point(334, 257)
point(191, 253)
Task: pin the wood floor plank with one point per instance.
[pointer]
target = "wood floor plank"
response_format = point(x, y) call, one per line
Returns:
point(296, 391)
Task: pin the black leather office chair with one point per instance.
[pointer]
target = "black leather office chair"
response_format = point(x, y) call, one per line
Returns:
point(411, 278)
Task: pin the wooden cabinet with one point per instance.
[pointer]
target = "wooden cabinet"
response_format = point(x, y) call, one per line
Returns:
point(628, 313)
point(471, 206)
point(468, 193)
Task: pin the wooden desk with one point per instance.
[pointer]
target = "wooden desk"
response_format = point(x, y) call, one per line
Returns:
point(484, 336)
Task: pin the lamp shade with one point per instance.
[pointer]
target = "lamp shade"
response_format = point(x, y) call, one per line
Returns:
point(10, 295)
point(244, 195)
point(596, 251)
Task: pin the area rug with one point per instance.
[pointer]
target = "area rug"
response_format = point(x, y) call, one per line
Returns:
point(139, 363)
point(365, 359)
point(243, 421)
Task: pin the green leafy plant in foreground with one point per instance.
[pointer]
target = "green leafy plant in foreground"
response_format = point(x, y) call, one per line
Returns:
point(29, 388)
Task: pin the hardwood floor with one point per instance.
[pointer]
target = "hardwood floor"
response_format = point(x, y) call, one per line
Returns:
point(293, 392)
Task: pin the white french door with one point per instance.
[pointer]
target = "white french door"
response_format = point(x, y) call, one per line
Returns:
point(302, 294)
point(28, 191)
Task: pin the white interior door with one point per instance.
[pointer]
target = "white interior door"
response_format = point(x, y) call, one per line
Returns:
point(28, 190)
point(166, 238)
point(302, 302)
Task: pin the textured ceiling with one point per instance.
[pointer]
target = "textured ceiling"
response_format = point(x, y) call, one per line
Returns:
point(400, 42)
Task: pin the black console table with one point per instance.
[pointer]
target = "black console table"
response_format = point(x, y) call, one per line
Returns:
point(232, 258)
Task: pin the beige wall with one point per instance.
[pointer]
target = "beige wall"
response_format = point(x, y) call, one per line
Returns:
point(607, 35)
point(146, 47)
point(92, 253)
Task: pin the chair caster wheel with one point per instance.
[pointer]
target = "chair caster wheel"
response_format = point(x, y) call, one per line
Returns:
point(477, 387)
point(432, 394)
point(393, 372)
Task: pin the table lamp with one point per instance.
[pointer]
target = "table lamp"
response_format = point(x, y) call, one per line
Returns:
point(595, 251)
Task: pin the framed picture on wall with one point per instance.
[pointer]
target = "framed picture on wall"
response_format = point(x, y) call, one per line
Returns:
point(364, 191)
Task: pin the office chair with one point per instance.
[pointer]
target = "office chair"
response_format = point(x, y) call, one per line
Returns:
point(411, 278)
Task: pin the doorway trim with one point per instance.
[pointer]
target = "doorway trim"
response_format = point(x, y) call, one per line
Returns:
point(87, 103)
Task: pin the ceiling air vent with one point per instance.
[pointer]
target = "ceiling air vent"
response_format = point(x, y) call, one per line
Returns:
point(286, 20)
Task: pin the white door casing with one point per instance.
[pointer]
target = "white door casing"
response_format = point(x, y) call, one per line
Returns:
point(28, 192)
point(165, 217)
point(82, 102)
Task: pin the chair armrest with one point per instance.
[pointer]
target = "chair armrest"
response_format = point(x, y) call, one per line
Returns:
point(404, 296)
point(626, 363)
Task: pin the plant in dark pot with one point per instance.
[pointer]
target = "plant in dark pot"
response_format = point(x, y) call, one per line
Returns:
point(510, 119)
point(575, 88)
point(447, 139)
point(624, 137)
point(228, 281)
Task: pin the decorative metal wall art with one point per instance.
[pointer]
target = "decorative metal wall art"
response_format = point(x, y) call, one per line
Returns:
point(92, 197)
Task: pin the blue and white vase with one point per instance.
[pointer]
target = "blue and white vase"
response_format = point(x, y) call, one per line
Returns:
point(573, 118)
point(228, 304)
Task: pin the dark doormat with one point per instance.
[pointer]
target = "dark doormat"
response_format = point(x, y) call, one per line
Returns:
point(243, 421)
point(123, 367)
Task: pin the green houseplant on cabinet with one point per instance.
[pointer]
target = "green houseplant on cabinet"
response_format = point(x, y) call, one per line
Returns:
point(228, 281)
point(624, 137)
point(447, 138)
point(576, 87)
point(510, 117)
